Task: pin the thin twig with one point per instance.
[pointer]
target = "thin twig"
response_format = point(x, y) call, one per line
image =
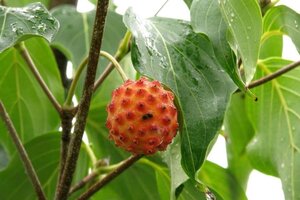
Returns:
point(274, 75)
point(84, 181)
point(101, 167)
point(84, 105)
point(123, 49)
point(115, 63)
point(22, 152)
point(109, 177)
point(23, 51)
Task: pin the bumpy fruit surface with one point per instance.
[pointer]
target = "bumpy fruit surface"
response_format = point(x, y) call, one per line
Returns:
point(142, 117)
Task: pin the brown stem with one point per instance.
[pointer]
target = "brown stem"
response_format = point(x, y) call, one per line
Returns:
point(274, 75)
point(66, 124)
point(84, 105)
point(25, 54)
point(109, 177)
point(22, 152)
point(84, 181)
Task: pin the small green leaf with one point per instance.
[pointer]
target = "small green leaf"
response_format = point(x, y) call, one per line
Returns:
point(238, 133)
point(244, 20)
point(221, 181)
point(282, 20)
point(169, 51)
point(206, 17)
point(275, 148)
point(18, 24)
point(28, 106)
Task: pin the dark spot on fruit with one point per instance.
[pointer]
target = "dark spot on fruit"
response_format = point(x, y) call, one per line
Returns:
point(140, 92)
point(130, 129)
point(153, 141)
point(130, 115)
point(164, 97)
point(135, 141)
point(119, 120)
point(141, 133)
point(153, 128)
point(147, 116)
point(128, 91)
point(140, 82)
point(125, 102)
point(111, 107)
point(151, 98)
point(140, 106)
point(166, 120)
point(122, 138)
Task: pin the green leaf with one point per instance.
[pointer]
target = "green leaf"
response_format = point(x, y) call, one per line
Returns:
point(28, 106)
point(172, 157)
point(74, 36)
point(188, 2)
point(169, 51)
point(4, 159)
point(221, 181)
point(275, 149)
point(18, 3)
point(44, 154)
point(137, 182)
point(271, 46)
point(73, 39)
point(191, 192)
point(282, 20)
point(238, 133)
point(206, 17)
point(244, 21)
point(18, 24)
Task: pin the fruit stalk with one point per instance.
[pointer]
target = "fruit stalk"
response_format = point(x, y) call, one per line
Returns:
point(109, 177)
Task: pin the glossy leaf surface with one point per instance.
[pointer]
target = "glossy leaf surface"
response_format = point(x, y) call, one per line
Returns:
point(169, 51)
point(244, 21)
point(206, 17)
point(18, 24)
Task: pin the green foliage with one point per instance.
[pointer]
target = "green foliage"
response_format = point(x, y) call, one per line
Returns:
point(221, 181)
point(245, 24)
point(21, 23)
point(238, 133)
point(198, 60)
point(168, 50)
point(275, 148)
point(22, 95)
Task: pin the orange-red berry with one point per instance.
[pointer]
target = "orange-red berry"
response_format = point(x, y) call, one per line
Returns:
point(142, 117)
